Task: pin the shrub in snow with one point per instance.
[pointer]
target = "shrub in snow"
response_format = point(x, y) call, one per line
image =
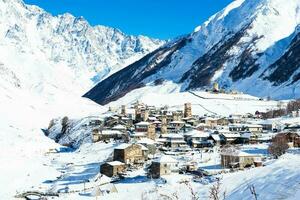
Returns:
point(279, 146)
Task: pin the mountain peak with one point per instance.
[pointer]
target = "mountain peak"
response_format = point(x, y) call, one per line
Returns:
point(47, 47)
point(239, 47)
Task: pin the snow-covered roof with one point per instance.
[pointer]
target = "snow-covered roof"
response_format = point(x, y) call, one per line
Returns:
point(119, 127)
point(253, 125)
point(172, 135)
point(138, 134)
point(123, 146)
point(100, 179)
point(130, 111)
point(178, 141)
point(152, 118)
point(146, 141)
point(211, 118)
point(165, 159)
point(126, 145)
point(115, 163)
point(143, 147)
point(111, 132)
point(246, 125)
point(236, 152)
point(216, 137)
point(177, 122)
point(231, 135)
point(156, 122)
point(142, 124)
point(200, 134)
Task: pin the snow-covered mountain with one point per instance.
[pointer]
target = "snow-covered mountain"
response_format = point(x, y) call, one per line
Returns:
point(45, 53)
point(251, 46)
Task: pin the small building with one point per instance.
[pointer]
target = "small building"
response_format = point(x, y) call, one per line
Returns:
point(113, 168)
point(235, 118)
point(177, 115)
point(172, 140)
point(254, 128)
point(199, 139)
point(119, 127)
point(222, 121)
point(107, 135)
point(210, 122)
point(230, 138)
point(149, 144)
point(233, 158)
point(268, 125)
point(146, 127)
point(130, 153)
point(165, 165)
point(176, 126)
point(138, 135)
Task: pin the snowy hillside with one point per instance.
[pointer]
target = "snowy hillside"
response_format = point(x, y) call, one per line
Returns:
point(250, 46)
point(202, 102)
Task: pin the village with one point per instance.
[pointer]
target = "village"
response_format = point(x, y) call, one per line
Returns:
point(164, 142)
point(139, 144)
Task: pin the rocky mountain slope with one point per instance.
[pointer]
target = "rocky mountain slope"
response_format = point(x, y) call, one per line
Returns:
point(250, 46)
point(45, 53)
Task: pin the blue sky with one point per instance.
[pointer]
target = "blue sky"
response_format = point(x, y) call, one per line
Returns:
point(162, 19)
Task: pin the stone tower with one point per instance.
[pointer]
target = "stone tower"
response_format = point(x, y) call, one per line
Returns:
point(123, 110)
point(164, 128)
point(215, 87)
point(145, 115)
point(151, 132)
point(187, 110)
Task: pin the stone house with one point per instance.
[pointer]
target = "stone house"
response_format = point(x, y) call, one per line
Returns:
point(235, 118)
point(233, 158)
point(165, 165)
point(176, 126)
point(172, 140)
point(222, 121)
point(148, 128)
point(113, 168)
point(130, 153)
point(210, 122)
point(107, 135)
point(199, 139)
point(177, 115)
point(229, 138)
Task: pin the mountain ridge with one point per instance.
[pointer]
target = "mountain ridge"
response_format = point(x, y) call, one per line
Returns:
point(66, 45)
point(235, 47)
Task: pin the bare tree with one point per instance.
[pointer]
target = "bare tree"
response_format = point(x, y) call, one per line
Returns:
point(64, 124)
point(51, 124)
point(253, 192)
point(279, 145)
point(215, 192)
point(192, 191)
